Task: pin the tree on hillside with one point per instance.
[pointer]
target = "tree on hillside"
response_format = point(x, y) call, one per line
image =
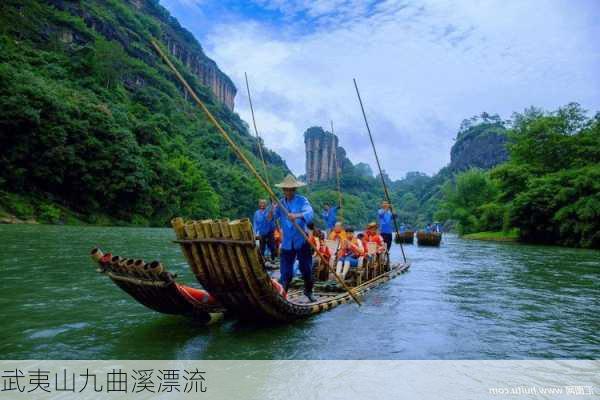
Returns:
point(467, 199)
point(108, 62)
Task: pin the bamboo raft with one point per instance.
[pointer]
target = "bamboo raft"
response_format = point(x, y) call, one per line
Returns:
point(429, 238)
point(406, 237)
point(224, 258)
point(156, 288)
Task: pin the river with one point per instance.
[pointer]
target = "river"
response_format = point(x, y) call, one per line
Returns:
point(464, 300)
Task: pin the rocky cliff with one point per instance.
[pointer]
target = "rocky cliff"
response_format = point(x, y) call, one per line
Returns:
point(321, 155)
point(481, 146)
point(180, 42)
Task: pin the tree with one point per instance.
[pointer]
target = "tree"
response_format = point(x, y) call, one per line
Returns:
point(108, 62)
point(468, 200)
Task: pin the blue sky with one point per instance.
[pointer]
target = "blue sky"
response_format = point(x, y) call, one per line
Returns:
point(422, 67)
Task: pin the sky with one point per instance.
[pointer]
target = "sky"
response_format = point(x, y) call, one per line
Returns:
point(421, 67)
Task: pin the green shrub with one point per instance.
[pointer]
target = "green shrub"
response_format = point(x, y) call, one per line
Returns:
point(49, 213)
point(21, 208)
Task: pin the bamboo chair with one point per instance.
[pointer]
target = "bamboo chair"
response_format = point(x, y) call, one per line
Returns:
point(333, 246)
point(372, 260)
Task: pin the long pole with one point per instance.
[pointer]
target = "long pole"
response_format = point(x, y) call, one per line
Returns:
point(258, 139)
point(248, 164)
point(385, 189)
point(337, 175)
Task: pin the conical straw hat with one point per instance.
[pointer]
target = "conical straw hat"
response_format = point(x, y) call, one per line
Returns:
point(289, 182)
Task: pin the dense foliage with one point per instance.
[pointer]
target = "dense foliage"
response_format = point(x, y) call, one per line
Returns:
point(549, 189)
point(414, 197)
point(90, 125)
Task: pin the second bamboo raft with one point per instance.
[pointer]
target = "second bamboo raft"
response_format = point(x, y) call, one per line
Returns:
point(429, 238)
point(406, 237)
point(156, 288)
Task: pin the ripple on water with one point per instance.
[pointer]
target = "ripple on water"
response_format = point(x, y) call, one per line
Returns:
point(52, 332)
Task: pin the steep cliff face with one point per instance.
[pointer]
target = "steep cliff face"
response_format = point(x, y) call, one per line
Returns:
point(190, 53)
point(321, 155)
point(180, 42)
point(482, 146)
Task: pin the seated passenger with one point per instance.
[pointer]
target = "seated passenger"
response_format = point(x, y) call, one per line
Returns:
point(351, 250)
point(363, 239)
point(321, 265)
point(337, 233)
point(372, 235)
point(313, 235)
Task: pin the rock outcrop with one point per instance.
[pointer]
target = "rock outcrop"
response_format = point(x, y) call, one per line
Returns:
point(482, 146)
point(205, 69)
point(321, 155)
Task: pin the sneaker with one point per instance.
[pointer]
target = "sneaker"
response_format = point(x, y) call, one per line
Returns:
point(310, 297)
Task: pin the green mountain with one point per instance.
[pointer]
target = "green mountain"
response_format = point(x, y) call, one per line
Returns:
point(93, 127)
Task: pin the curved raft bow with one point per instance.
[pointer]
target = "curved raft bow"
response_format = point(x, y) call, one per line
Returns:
point(155, 287)
point(224, 257)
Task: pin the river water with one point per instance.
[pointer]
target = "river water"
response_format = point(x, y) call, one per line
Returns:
point(464, 300)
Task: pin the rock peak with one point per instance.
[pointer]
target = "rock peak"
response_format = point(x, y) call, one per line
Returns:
point(321, 154)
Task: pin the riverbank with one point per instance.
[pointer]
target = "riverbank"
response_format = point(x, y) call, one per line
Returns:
point(510, 236)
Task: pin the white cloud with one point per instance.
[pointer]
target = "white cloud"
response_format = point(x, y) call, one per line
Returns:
point(421, 70)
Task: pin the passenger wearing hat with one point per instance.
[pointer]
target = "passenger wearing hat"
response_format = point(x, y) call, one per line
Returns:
point(294, 246)
point(371, 235)
point(351, 250)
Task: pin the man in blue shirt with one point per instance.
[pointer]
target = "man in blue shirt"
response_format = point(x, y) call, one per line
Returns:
point(264, 229)
point(386, 223)
point(294, 246)
point(329, 215)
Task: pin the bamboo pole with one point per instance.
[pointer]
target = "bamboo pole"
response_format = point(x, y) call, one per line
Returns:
point(258, 139)
point(385, 189)
point(247, 162)
point(337, 175)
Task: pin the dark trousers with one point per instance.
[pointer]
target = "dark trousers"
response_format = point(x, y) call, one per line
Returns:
point(288, 257)
point(387, 238)
point(267, 242)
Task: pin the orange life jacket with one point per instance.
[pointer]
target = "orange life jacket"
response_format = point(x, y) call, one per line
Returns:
point(351, 247)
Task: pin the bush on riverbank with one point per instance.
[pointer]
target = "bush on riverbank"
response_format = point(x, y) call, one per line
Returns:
point(495, 236)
